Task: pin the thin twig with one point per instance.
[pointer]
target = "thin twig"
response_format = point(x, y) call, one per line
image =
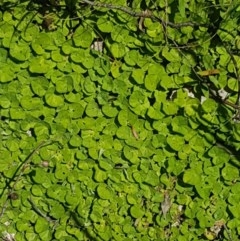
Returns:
point(20, 170)
point(40, 212)
point(228, 232)
point(144, 14)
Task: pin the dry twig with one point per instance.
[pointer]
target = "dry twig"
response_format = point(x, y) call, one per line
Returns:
point(144, 14)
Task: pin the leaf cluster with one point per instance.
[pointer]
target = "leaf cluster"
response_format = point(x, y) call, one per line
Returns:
point(143, 144)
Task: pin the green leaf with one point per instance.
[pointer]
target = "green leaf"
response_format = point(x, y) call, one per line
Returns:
point(137, 99)
point(151, 82)
point(88, 61)
point(230, 173)
point(181, 7)
point(203, 190)
point(57, 211)
point(75, 141)
point(118, 50)
point(92, 109)
point(54, 100)
point(40, 65)
point(131, 58)
point(64, 84)
point(138, 75)
point(175, 142)
point(123, 132)
point(152, 178)
point(37, 190)
point(61, 172)
point(136, 211)
point(235, 211)
point(39, 85)
point(83, 37)
point(219, 155)
point(4, 101)
point(170, 108)
point(100, 175)
point(171, 55)
point(109, 111)
point(3, 55)
point(40, 177)
point(43, 41)
point(57, 56)
point(131, 154)
point(41, 225)
point(76, 110)
point(17, 113)
point(154, 113)
point(233, 84)
point(6, 73)
point(22, 226)
point(192, 177)
point(105, 25)
point(104, 192)
point(209, 106)
point(197, 143)
point(12, 144)
point(29, 103)
point(106, 164)
point(20, 52)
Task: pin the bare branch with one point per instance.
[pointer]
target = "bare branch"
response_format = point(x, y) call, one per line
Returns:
point(144, 14)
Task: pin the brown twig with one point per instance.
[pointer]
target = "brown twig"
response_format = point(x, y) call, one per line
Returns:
point(144, 14)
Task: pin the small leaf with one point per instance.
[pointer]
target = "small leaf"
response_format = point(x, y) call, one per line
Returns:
point(209, 106)
point(41, 225)
point(6, 73)
point(192, 177)
point(57, 211)
point(54, 100)
point(4, 101)
point(233, 84)
point(151, 82)
point(104, 192)
point(20, 51)
point(92, 109)
point(138, 75)
point(104, 25)
point(75, 141)
point(82, 37)
point(175, 142)
point(170, 108)
point(39, 85)
point(99, 175)
point(40, 65)
point(230, 173)
point(64, 84)
point(109, 111)
point(181, 7)
point(118, 50)
point(152, 178)
point(136, 211)
point(12, 144)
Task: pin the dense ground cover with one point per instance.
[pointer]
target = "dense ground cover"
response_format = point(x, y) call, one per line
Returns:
point(119, 120)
